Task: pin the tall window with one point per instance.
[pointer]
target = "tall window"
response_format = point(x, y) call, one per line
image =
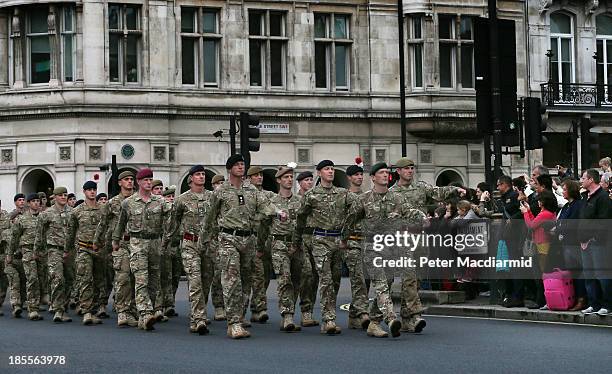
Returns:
point(200, 46)
point(124, 43)
point(68, 26)
point(267, 48)
point(561, 44)
point(39, 48)
point(415, 43)
point(456, 47)
point(332, 51)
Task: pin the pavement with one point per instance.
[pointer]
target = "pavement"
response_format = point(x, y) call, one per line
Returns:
point(447, 345)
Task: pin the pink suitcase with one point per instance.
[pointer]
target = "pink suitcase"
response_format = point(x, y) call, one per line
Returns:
point(559, 289)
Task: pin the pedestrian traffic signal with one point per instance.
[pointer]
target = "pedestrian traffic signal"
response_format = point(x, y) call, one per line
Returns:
point(589, 144)
point(249, 131)
point(536, 121)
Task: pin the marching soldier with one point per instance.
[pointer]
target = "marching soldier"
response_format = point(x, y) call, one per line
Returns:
point(143, 216)
point(51, 234)
point(20, 201)
point(72, 200)
point(232, 210)
point(287, 262)
point(352, 256)
point(5, 224)
point(381, 205)
point(89, 261)
point(105, 251)
point(123, 278)
point(327, 205)
point(217, 181)
point(262, 265)
point(217, 290)
point(165, 276)
point(13, 267)
point(173, 264)
point(22, 240)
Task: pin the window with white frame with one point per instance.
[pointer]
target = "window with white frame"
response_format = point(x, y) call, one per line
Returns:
point(415, 44)
point(124, 28)
point(603, 23)
point(68, 32)
point(332, 51)
point(562, 47)
point(267, 48)
point(456, 51)
point(200, 40)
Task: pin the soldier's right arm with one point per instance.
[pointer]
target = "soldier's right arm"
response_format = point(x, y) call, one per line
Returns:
point(263, 231)
point(121, 224)
point(41, 228)
point(73, 225)
point(106, 215)
point(16, 232)
point(302, 214)
point(355, 214)
point(211, 218)
point(176, 216)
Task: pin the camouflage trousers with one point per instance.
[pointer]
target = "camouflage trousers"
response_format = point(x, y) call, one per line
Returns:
point(164, 295)
point(90, 275)
point(109, 275)
point(176, 261)
point(309, 279)
point(144, 263)
point(59, 278)
point(199, 268)
point(124, 283)
point(410, 301)
point(382, 306)
point(3, 279)
point(216, 289)
point(326, 253)
point(288, 267)
point(33, 268)
point(353, 258)
point(16, 282)
point(45, 281)
point(262, 268)
point(236, 263)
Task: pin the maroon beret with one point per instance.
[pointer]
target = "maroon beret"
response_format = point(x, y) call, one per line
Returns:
point(144, 173)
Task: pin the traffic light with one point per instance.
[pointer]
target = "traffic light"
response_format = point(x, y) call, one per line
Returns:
point(589, 144)
point(249, 132)
point(536, 121)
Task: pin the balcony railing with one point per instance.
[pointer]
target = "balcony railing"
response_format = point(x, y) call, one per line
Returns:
point(577, 94)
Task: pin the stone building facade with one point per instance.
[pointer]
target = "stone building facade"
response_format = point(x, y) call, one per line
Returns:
point(152, 81)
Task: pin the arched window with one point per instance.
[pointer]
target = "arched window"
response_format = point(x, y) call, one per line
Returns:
point(603, 23)
point(562, 47)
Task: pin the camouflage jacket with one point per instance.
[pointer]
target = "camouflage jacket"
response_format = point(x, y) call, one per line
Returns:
point(236, 208)
point(354, 197)
point(327, 207)
point(143, 218)
point(273, 225)
point(52, 229)
point(421, 195)
point(109, 218)
point(82, 225)
point(188, 214)
point(5, 232)
point(23, 231)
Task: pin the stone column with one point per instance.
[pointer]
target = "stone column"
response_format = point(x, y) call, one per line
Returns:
point(94, 56)
point(78, 68)
point(17, 50)
point(53, 47)
point(4, 51)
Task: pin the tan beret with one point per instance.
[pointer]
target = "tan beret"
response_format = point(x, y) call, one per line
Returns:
point(218, 178)
point(282, 171)
point(404, 162)
point(60, 190)
point(126, 174)
point(254, 170)
point(169, 191)
point(157, 182)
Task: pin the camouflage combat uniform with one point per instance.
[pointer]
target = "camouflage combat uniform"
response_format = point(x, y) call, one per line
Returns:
point(51, 233)
point(309, 279)
point(188, 216)
point(23, 234)
point(90, 264)
point(5, 225)
point(123, 279)
point(14, 271)
point(231, 214)
point(287, 264)
point(144, 223)
point(328, 207)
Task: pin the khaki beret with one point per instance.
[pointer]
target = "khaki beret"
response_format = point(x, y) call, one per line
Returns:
point(42, 195)
point(157, 182)
point(169, 191)
point(126, 174)
point(60, 190)
point(282, 171)
point(404, 162)
point(218, 178)
point(254, 170)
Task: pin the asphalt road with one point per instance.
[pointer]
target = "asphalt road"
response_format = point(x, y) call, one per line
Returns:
point(447, 345)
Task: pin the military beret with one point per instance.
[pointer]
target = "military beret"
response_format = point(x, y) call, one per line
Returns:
point(169, 191)
point(303, 175)
point(324, 163)
point(101, 195)
point(144, 173)
point(353, 169)
point(282, 171)
point(376, 167)
point(79, 202)
point(232, 160)
point(71, 196)
point(126, 174)
point(404, 162)
point(90, 185)
point(32, 196)
point(60, 190)
point(195, 169)
point(157, 182)
point(42, 195)
point(218, 178)
point(254, 170)
point(19, 196)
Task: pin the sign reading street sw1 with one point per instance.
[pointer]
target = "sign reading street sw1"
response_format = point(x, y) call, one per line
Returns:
point(274, 128)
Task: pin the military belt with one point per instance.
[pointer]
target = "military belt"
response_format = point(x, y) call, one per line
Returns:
point(236, 232)
point(323, 232)
point(140, 235)
point(84, 244)
point(283, 238)
point(356, 237)
point(191, 237)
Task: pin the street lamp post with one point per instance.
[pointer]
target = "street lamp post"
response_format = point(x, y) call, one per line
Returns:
point(402, 74)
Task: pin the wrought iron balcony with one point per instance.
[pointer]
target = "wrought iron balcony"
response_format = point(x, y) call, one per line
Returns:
point(577, 95)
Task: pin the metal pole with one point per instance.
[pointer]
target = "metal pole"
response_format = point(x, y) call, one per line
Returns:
point(575, 149)
point(400, 25)
point(487, 160)
point(232, 132)
point(495, 87)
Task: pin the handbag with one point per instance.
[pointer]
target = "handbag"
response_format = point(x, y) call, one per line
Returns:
point(502, 257)
point(529, 248)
